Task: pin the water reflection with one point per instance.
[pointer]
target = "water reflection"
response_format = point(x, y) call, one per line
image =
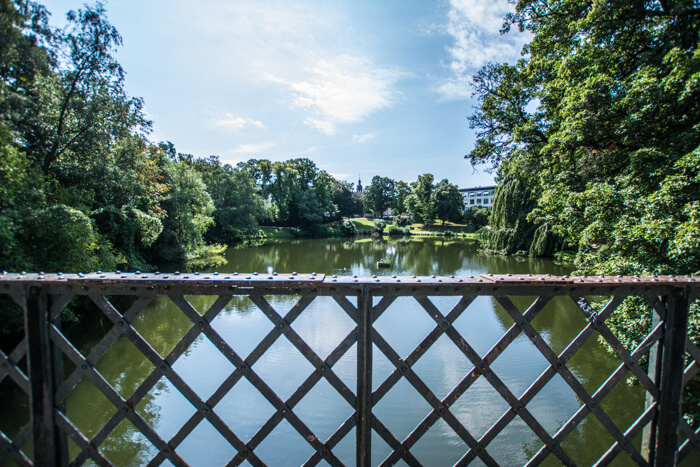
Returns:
point(323, 325)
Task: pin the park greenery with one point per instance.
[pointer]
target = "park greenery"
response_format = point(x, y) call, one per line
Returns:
point(83, 188)
point(595, 137)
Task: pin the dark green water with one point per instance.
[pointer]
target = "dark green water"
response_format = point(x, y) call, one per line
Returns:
point(323, 325)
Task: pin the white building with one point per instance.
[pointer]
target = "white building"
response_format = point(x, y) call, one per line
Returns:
point(479, 196)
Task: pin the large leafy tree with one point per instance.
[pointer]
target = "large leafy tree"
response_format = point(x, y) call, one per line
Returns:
point(600, 120)
point(379, 195)
point(420, 202)
point(448, 201)
point(233, 194)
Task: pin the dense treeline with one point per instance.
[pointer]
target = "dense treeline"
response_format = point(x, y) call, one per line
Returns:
point(82, 188)
point(595, 134)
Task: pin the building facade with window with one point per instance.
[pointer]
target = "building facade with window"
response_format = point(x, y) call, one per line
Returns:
point(479, 196)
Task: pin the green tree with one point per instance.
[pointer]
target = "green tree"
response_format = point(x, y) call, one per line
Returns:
point(448, 202)
point(189, 210)
point(599, 121)
point(344, 198)
point(420, 202)
point(236, 204)
point(379, 195)
point(403, 190)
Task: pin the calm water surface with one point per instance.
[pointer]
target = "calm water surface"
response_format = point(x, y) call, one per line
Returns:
point(323, 325)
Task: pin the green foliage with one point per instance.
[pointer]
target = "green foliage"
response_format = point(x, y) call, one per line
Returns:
point(379, 195)
point(599, 120)
point(420, 202)
point(402, 221)
point(310, 211)
point(379, 225)
point(344, 198)
point(476, 217)
point(60, 238)
point(509, 230)
point(347, 228)
point(396, 231)
point(189, 208)
point(236, 205)
point(448, 202)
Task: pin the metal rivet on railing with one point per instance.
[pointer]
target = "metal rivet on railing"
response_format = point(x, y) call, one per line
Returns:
point(177, 273)
point(84, 366)
point(205, 410)
point(243, 368)
point(283, 410)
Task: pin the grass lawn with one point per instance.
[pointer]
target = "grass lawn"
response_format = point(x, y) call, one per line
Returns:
point(276, 232)
point(417, 229)
point(365, 224)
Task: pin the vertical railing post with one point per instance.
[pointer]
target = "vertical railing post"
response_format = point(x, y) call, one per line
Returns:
point(654, 373)
point(41, 378)
point(364, 379)
point(671, 389)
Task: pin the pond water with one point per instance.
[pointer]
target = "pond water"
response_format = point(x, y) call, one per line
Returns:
point(323, 325)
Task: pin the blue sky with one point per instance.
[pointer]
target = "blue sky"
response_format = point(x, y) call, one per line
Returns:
point(360, 87)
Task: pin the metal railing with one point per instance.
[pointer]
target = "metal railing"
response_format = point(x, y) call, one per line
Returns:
point(36, 364)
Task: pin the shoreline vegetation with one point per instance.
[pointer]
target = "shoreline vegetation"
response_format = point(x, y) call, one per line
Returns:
point(365, 226)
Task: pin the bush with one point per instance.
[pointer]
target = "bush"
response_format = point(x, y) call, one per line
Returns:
point(402, 221)
point(395, 231)
point(347, 228)
point(449, 233)
point(379, 225)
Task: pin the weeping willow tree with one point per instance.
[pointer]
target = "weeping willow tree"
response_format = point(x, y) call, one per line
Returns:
point(509, 230)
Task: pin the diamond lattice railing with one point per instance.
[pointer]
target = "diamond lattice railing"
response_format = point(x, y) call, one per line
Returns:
point(692, 441)
point(363, 301)
point(206, 409)
point(522, 323)
point(13, 372)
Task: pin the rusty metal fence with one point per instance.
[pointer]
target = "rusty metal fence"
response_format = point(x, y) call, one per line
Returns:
point(37, 364)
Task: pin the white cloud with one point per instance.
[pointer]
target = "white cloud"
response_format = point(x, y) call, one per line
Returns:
point(237, 123)
point(362, 138)
point(343, 90)
point(324, 126)
point(253, 148)
point(474, 26)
